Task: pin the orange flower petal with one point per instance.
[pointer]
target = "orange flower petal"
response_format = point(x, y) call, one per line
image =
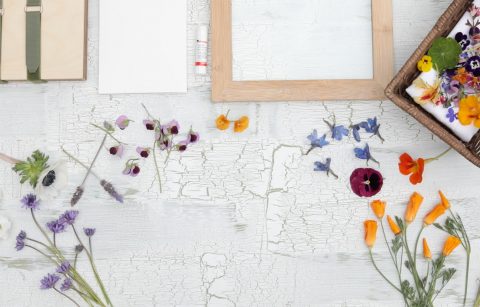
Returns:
point(370, 232)
point(378, 208)
point(433, 215)
point(414, 204)
point(445, 201)
point(450, 244)
point(241, 124)
point(222, 122)
point(393, 226)
point(427, 253)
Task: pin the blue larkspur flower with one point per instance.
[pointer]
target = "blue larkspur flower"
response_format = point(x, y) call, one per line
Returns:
point(49, 281)
point(364, 153)
point(338, 132)
point(356, 132)
point(30, 201)
point(324, 167)
point(316, 141)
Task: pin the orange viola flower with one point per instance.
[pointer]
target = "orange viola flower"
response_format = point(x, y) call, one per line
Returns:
point(426, 250)
point(412, 208)
point(378, 208)
point(414, 168)
point(393, 226)
point(433, 215)
point(370, 232)
point(241, 124)
point(445, 201)
point(222, 122)
point(451, 243)
point(461, 76)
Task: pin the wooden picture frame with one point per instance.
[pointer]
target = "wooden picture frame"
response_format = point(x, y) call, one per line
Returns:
point(225, 89)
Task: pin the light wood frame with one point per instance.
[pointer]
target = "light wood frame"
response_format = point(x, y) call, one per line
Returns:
point(224, 88)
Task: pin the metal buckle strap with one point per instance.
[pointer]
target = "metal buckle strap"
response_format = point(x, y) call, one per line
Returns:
point(33, 12)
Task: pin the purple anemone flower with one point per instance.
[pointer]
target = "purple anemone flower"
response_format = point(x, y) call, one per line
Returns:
point(30, 201)
point(89, 232)
point(56, 226)
point(68, 217)
point(366, 182)
point(49, 281)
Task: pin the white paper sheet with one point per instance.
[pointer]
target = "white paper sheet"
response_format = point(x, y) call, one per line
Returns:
point(143, 46)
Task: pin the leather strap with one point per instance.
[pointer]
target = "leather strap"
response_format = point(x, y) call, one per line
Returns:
point(1, 22)
point(33, 17)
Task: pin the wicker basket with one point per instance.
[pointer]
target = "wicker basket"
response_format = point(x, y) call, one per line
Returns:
point(396, 90)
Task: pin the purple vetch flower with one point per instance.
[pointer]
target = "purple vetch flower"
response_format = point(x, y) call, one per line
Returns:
point(64, 267)
point(316, 141)
point(30, 201)
point(171, 128)
point(364, 154)
point(164, 144)
point(56, 226)
point(122, 122)
point(68, 217)
point(116, 150)
point(182, 146)
point(149, 124)
point(193, 137)
point(89, 232)
point(49, 281)
point(67, 284)
point(462, 40)
point(144, 152)
point(473, 65)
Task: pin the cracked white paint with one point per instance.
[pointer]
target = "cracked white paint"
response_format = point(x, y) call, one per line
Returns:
point(243, 220)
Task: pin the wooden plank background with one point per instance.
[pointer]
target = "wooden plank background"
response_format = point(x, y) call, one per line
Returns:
point(244, 220)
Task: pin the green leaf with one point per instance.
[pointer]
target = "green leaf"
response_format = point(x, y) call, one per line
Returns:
point(445, 53)
point(31, 169)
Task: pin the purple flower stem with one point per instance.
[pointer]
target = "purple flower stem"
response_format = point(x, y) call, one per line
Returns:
point(94, 160)
point(68, 297)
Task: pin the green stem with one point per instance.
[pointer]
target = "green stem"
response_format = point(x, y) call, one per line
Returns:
point(94, 160)
point(68, 297)
point(156, 167)
point(416, 246)
point(413, 267)
point(81, 163)
point(466, 278)
point(381, 274)
point(109, 134)
point(439, 156)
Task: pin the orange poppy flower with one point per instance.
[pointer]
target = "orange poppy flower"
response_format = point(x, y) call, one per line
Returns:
point(412, 208)
point(451, 243)
point(370, 232)
point(445, 201)
point(408, 166)
point(378, 208)
point(393, 226)
point(241, 124)
point(431, 217)
point(426, 250)
point(222, 122)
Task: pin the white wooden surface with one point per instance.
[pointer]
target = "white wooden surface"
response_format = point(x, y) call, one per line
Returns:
point(244, 220)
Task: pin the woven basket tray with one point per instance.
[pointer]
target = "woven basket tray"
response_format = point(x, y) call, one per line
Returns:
point(396, 90)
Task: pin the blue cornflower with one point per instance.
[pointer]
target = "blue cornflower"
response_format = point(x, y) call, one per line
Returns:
point(56, 226)
point(67, 284)
point(49, 281)
point(64, 267)
point(89, 232)
point(338, 132)
point(30, 201)
point(316, 142)
point(364, 154)
point(68, 217)
point(324, 167)
point(20, 243)
point(451, 115)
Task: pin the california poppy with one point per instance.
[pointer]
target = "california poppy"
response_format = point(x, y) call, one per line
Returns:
point(411, 167)
point(222, 122)
point(412, 208)
point(393, 226)
point(370, 232)
point(378, 208)
point(450, 244)
point(241, 124)
point(445, 201)
point(434, 214)
point(426, 250)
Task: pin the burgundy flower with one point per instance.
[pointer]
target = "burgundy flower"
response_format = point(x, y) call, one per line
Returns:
point(116, 150)
point(149, 124)
point(143, 151)
point(366, 182)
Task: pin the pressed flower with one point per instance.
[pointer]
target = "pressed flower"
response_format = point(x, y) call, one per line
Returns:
point(338, 132)
point(431, 92)
point(31, 169)
point(79, 248)
point(414, 168)
point(171, 128)
point(473, 65)
point(427, 254)
point(89, 232)
point(30, 201)
point(52, 181)
point(378, 207)
point(144, 152)
point(451, 243)
point(69, 217)
point(149, 124)
point(20, 240)
point(433, 215)
point(393, 226)
point(164, 144)
point(131, 168)
point(414, 204)
point(451, 115)
point(462, 40)
point(370, 232)
point(241, 124)
point(469, 111)
point(222, 122)
point(64, 267)
point(117, 150)
point(364, 154)
point(445, 201)
point(66, 285)
point(366, 182)
point(461, 75)
point(56, 226)
point(122, 122)
point(109, 188)
point(316, 141)
point(5, 226)
point(370, 126)
point(182, 146)
point(325, 167)
point(49, 281)
point(425, 64)
point(193, 137)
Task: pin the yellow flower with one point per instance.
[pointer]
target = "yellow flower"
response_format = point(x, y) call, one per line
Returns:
point(370, 232)
point(450, 244)
point(393, 226)
point(425, 64)
point(431, 93)
point(241, 124)
point(445, 201)
point(434, 214)
point(412, 207)
point(378, 208)
point(426, 250)
point(469, 111)
point(222, 122)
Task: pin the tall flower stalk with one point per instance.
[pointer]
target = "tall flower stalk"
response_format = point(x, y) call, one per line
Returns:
point(74, 285)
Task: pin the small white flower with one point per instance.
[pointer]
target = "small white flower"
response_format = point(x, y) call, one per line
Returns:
point(52, 180)
point(5, 226)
